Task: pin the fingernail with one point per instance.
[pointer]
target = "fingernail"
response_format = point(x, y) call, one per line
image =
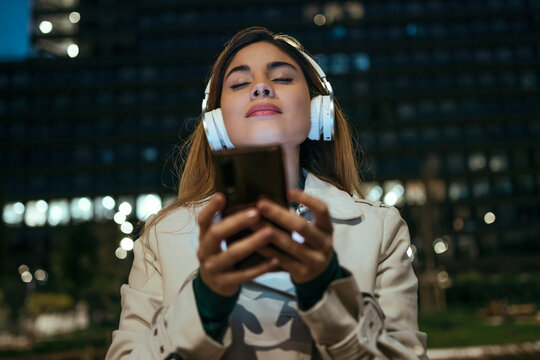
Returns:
point(251, 213)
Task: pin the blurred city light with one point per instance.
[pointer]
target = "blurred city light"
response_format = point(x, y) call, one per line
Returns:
point(26, 277)
point(125, 208)
point(355, 9)
point(41, 275)
point(443, 278)
point(148, 204)
point(23, 268)
point(119, 218)
point(108, 202)
point(489, 218)
point(319, 19)
point(394, 192)
point(72, 50)
point(120, 253)
point(45, 27)
point(74, 17)
point(440, 246)
point(390, 199)
point(126, 227)
point(126, 244)
point(375, 193)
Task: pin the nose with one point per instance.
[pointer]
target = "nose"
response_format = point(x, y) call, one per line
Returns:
point(261, 91)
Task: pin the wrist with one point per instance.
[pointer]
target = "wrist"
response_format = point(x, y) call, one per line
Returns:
point(211, 302)
point(310, 292)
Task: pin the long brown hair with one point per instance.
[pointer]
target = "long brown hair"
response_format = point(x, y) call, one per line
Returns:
point(334, 162)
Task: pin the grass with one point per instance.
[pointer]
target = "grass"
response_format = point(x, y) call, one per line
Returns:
point(459, 327)
point(456, 327)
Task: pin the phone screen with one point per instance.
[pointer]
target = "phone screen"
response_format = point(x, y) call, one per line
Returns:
point(246, 175)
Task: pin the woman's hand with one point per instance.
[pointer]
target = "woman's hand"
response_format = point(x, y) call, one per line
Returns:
point(216, 266)
point(303, 261)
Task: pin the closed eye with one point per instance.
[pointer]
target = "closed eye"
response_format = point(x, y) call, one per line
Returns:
point(239, 85)
point(283, 80)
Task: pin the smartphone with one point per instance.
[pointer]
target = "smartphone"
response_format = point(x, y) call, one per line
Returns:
point(246, 175)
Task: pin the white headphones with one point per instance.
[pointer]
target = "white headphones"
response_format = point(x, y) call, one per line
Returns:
point(322, 115)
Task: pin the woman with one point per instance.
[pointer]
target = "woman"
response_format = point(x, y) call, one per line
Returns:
point(347, 292)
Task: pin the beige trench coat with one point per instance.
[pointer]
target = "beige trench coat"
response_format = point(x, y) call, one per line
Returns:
point(370, 314)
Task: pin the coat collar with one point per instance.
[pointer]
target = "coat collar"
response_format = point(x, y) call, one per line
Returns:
point(341, 205)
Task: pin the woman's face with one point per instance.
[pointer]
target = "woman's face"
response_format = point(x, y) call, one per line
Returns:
point(265, 98)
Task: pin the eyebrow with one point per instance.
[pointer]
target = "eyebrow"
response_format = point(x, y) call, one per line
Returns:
point(270, 66)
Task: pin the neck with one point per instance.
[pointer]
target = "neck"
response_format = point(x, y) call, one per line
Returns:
point(291, 160)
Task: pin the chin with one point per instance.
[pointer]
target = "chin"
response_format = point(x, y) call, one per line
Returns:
point(268, 136)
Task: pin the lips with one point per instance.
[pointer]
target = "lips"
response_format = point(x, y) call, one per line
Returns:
point(263, 110)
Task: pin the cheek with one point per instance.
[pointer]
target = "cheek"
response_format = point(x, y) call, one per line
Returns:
point(303, 113)
point(232, 114)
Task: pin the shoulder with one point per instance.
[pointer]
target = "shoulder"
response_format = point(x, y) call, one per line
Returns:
point(377, 208)
point(394, 229)
point(171, 222)
point(177, 220)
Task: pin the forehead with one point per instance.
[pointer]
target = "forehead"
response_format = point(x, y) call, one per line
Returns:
point(260, 53)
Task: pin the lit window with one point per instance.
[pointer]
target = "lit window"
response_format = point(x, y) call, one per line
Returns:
point(394, 192)
point(104, 208)
point(339, 64)
point(36, 213)
point(503, 185)
point(354, 9)
point(477, 161)
point(411, 29)
point(406, 111)
point(13, 213)
point(373, 191)
point(481, 188)
point(149, 153)
point(498, 162)
point(58, 212)
point(458, 190)
point(81, 209)
point(437, 189)
point(415, 192)
point(361, 61)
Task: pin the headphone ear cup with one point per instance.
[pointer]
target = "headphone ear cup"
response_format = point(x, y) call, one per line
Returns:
point(211, 131)
point(221, 130)
point(327, 118)
point(315, 129)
